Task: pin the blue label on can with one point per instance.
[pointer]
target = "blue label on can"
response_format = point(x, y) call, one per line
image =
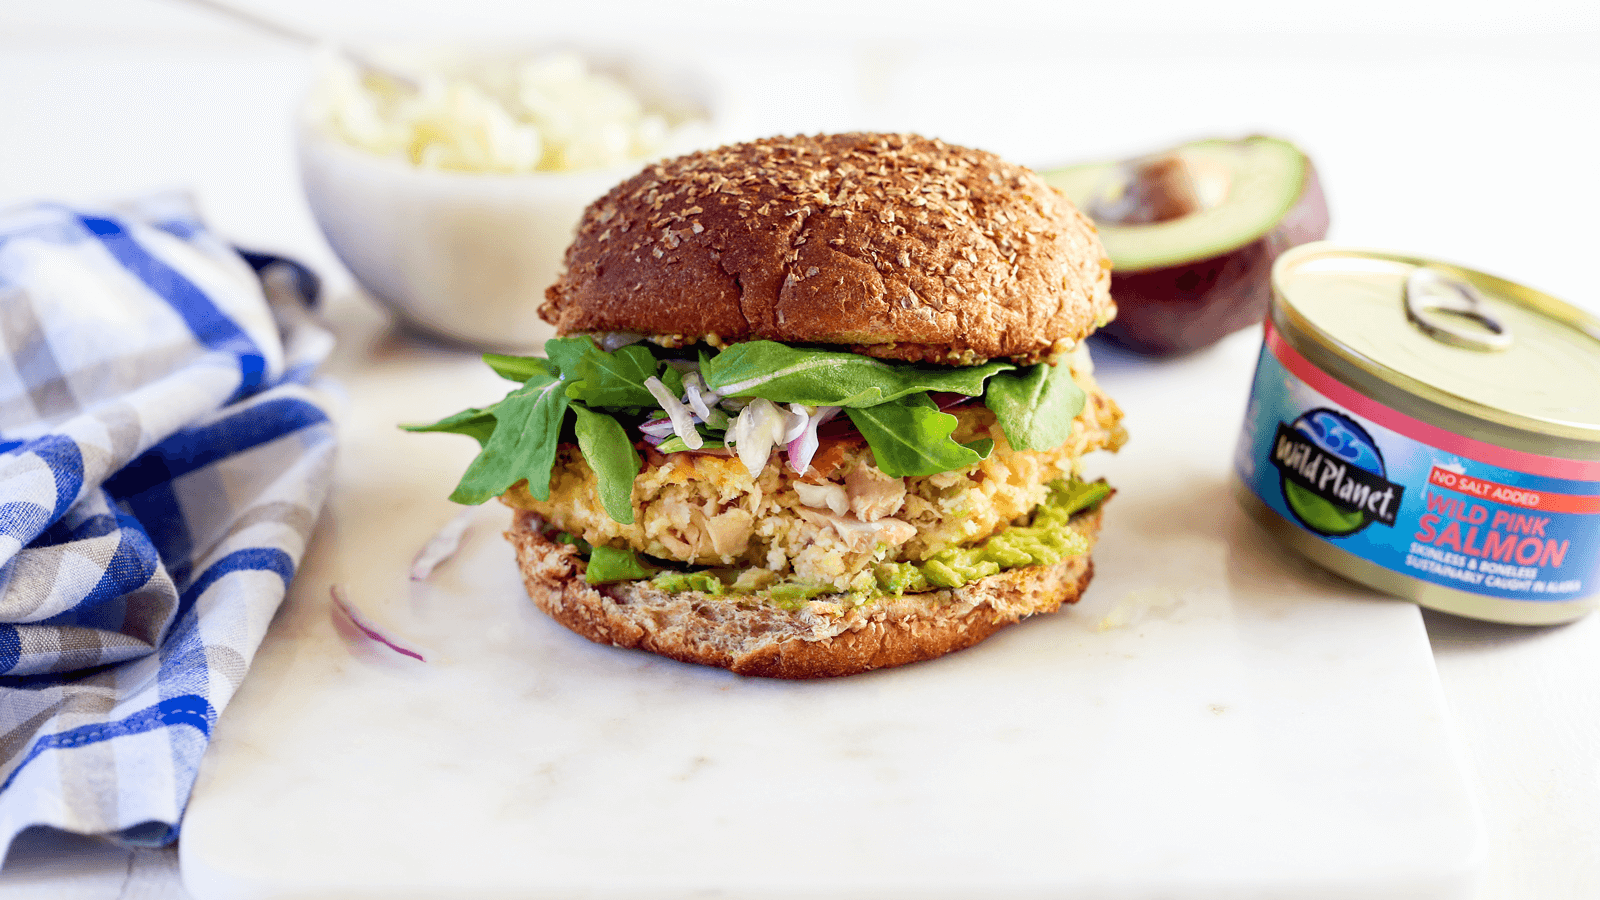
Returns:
point(1415, 498)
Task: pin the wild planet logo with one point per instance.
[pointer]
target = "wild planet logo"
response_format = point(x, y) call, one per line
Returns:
point(1332, 474)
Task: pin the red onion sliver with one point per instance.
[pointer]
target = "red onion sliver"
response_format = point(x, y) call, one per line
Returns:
point(367, 628)
point(947, 400)
point(682, 418)
point(804, 448)
point(443, 545)
point(800, 450)
point(657, 428)
point(795, 420)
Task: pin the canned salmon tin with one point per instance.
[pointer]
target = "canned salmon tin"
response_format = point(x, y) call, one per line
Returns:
point(1430, 431)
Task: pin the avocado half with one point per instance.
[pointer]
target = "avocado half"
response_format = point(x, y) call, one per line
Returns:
point(1192, 233)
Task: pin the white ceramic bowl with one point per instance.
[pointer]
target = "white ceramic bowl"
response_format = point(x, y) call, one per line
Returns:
point(467, 256)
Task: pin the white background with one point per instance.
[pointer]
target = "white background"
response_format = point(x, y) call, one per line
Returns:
point(1463, 130)
point(1466, 131)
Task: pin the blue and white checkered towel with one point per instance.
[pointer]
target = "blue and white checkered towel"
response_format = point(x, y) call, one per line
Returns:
point(163, 455)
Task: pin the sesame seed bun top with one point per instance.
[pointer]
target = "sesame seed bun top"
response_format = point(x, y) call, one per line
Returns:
point(891, 245)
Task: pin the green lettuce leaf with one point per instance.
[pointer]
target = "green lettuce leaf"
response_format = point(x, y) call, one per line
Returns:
point(1035, 406)
point(519, 368)
point(785, 374)
point(910, 436)
point(888, 402)
point(608, 564)
point(674, 444)
point(523, 444)
point(477, 424)
point(519, 435)
point(572, 540)
point(673, 380)
point(610, 379)
point(614, 379)
point(564, 353)
point(610, 454)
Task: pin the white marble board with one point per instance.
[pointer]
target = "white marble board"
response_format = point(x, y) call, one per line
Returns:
point(1216, 719)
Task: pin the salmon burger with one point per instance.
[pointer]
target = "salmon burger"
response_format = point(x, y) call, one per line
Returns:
point(818, 405)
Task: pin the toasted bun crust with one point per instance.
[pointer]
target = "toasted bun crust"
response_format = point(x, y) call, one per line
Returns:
point(891, 245)
point(764, 640)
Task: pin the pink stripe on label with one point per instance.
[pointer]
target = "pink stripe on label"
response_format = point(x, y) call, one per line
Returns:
point(1433, 435)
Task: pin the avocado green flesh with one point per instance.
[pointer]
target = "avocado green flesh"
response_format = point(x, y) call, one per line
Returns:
point(1252, 183)
point(1044, 541)
point(674, 582)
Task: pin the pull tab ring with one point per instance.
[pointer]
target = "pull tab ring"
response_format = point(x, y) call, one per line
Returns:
point(1437, 303)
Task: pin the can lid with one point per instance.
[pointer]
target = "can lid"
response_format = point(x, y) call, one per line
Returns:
point(1477, 344)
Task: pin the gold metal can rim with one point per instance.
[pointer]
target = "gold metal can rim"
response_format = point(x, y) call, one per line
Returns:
point(1579, 440)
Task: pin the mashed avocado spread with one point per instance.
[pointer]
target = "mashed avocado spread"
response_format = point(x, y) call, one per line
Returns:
point(1044, 541)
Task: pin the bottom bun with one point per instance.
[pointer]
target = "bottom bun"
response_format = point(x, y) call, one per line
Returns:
point(819, 639)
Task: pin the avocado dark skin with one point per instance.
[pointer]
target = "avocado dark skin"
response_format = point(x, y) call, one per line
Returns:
point(1192, 304)
point(1182, 308)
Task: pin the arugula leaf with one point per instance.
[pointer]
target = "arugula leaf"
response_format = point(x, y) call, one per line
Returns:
point(675, 444)
point(564, 353)
point(785, 374)
point(519, 368)
point(611, 379)
point(673, 379)
point(614, 379)
point(475, 423)
point(572, 540)
point(610, 454)
point(910, 436)
point(608, 564)
point(888, 402)
point(1035, 406)
point(519, 435)
point(523, 444)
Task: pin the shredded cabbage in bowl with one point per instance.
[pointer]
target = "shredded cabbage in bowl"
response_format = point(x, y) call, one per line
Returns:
point(541, 114)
